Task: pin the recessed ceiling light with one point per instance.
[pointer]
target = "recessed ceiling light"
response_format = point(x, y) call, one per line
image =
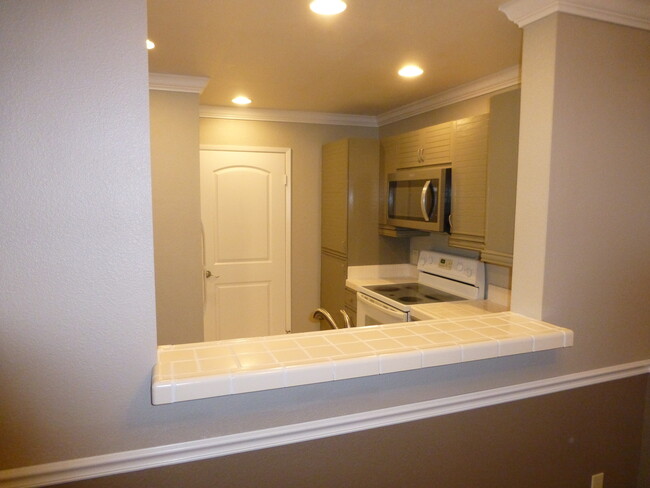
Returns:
point(241, 100)
point(410, 71)
point(150, 44)
point(328, 7)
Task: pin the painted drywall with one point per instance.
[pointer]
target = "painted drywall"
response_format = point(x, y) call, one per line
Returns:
point(78, 342)
point(77, 305)
point(178, 250)
point(595, 265)
point(541, 442)
point(305, 141)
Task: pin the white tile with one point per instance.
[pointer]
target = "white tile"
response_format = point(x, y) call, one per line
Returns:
point(316, 340)
point(473, 351)
point(290, 355)
point(353, 348)
point(304, 374)
point(205, 387)
point(162, 393)
point(256, 361)
point(212, 352)
point(414, 341)
point(326, 351)
point(219, 364)
point(400, 361)
point(549, 340)
point(174, 355)
point(441, 355)
point(515, 345)
point(265, 379)
point(253, 347)
point(182, 369)
point(356, 367)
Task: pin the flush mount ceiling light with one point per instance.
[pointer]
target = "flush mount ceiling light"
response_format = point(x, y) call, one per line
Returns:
point(328, 7)
point(410, 71)
point(241, 100)
point(150, 44)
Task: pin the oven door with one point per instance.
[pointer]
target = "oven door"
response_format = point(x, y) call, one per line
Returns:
point(374, 312)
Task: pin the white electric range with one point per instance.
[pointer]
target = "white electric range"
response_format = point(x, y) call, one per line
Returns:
point(441, 278)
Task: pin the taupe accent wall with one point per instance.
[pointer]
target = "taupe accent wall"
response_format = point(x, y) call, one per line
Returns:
point(178, 251)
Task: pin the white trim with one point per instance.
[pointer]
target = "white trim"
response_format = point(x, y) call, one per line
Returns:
point(503, 79)
point(153, 457)
point(631, 13)
point(287, 217)
point(269, 115)
point(177, 83)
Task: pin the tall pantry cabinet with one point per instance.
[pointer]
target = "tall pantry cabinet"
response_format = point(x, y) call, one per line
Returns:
point(349, 220)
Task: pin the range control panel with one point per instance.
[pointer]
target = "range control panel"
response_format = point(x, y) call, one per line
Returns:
point(459, 268)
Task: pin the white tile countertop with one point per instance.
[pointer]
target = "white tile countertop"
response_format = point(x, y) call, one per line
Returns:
point(210, 369)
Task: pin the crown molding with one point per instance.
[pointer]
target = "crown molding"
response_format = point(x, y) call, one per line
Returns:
point(488, 84)
point(270, 115)
point(631, 13)
point(177, 83)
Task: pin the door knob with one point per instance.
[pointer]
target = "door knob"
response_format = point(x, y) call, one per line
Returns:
point(208, 274)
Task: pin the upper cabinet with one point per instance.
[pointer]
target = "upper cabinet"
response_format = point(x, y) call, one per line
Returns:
point(469, 182)
point(431, 145)
point(482, 152)
point(503, 144)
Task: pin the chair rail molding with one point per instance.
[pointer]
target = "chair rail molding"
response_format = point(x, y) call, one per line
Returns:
point(182, 452)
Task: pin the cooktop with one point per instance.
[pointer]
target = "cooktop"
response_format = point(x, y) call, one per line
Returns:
point(413, 293)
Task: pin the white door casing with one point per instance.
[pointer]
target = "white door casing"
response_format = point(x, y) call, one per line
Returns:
point(245, 210)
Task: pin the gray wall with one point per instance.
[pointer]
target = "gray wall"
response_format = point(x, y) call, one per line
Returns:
point(77, 346)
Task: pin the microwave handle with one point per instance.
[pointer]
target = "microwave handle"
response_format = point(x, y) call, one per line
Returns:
point(426, 189)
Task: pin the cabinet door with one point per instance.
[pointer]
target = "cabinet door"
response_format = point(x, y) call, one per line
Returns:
point(334, 197)
point(503, 142)
point(436, 144)
point(469, 182)
point(409, 147)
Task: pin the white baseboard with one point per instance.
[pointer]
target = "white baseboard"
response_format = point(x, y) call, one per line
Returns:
point(154, 457)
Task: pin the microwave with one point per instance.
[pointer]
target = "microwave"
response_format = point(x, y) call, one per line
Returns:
point(420, 199)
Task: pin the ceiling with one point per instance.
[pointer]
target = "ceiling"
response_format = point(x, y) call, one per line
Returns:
point(284, 57)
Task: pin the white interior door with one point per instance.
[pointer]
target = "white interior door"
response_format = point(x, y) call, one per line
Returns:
point(245, 213)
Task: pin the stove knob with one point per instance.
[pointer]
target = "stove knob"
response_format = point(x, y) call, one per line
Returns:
point(468, 272)
point(460, 267)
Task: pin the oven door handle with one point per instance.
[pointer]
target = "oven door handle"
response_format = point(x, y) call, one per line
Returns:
point(372, 302)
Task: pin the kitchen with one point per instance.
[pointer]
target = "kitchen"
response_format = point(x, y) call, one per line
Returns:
point(179, 256)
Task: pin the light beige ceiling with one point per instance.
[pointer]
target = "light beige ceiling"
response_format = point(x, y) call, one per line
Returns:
point(283, 56)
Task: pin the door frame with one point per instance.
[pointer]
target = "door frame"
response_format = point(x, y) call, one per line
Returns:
point(287, 217)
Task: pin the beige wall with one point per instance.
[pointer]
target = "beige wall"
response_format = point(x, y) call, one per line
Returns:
point(581, 258)
point(305, 141)
point(176, 216)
